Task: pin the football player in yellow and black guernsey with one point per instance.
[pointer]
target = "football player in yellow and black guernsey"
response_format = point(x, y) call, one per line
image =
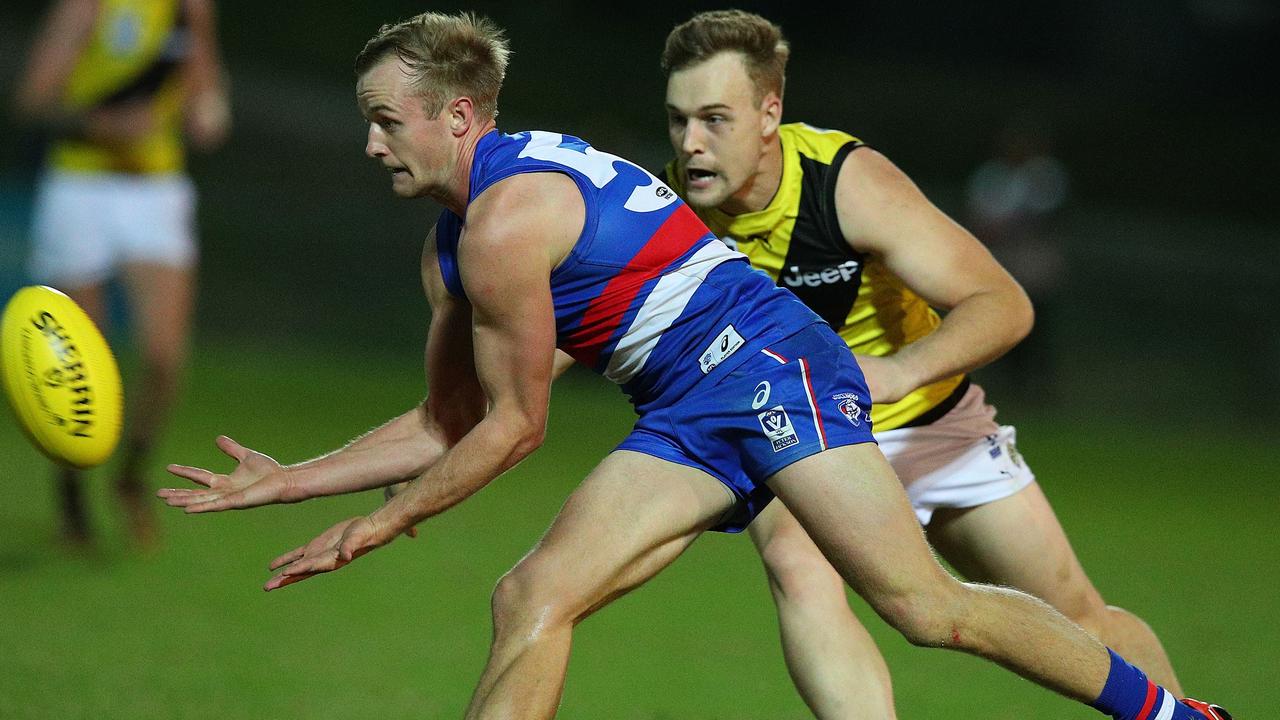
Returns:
point(120, 88)
point(839, 225)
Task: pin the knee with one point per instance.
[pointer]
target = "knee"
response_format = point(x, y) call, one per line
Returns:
point(525, 603)
point(1082, 606)
point(163, 365)
point(799, 575)
point(926, 617)
point(1092, 616)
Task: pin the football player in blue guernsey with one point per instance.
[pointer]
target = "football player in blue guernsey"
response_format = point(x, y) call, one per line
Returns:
point(741, 391)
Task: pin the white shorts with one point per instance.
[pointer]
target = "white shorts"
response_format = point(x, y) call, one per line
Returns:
point(962, 459)
point(86, 225)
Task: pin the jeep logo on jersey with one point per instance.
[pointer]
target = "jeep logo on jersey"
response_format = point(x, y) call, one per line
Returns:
point(777, 427)
point(847, 403)
point(844, 272)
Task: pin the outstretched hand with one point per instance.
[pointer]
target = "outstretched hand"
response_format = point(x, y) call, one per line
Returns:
point(332, 549)
point(256, 480)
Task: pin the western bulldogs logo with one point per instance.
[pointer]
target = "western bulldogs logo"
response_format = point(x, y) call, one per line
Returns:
point(847, 403)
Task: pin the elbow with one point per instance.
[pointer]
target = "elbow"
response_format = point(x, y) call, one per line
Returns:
point(1021, 320)
point(1026, 317)
point(529, 439)
point(1016, 311)
point(522, 434)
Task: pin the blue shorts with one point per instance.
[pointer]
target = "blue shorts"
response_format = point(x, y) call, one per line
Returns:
point(794, 398)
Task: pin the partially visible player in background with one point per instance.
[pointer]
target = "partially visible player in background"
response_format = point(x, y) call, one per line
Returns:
point(118, 87)
point(1014, 200)
point(842, 227)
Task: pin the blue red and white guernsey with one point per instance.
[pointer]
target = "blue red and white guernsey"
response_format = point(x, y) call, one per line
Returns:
point(647, 287)
point(652, 300)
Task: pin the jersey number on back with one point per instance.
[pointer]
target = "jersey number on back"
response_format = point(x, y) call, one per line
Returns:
point(598, 168)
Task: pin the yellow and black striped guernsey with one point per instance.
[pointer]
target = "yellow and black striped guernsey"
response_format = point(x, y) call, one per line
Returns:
point(134, 55)
point(797, 240)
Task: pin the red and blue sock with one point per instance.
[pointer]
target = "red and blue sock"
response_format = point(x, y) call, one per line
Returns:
point(1129, 695)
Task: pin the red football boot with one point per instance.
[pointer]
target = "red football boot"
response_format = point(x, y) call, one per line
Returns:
point(1212, 712)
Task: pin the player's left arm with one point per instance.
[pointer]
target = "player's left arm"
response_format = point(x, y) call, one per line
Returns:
point(208, 107)
point(883, 213)
point(506, 255)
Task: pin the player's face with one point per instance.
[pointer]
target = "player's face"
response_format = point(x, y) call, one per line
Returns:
point(718, 130)
point(413, 146)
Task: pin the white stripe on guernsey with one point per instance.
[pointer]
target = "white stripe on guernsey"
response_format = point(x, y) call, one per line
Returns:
point(663, 306)
point(1166, 706)
point(813, 405)
point(775, 356)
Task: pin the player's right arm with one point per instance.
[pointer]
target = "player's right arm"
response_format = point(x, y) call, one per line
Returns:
point(883, 213)
point(402, 449)
point(208, 115)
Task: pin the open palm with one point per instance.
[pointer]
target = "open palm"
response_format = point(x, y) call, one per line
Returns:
point(256, 480)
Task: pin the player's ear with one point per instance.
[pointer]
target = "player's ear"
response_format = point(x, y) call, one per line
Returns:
point(462, 114)
point(770, 114)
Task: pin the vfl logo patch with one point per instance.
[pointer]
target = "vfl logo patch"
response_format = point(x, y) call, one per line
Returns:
point(847, 403)
point(777, 427)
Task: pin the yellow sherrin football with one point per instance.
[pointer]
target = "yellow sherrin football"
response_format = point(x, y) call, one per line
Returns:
point(61, 378)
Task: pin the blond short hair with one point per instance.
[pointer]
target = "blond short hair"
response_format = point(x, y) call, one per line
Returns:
point(447, 56)
point(763, 48)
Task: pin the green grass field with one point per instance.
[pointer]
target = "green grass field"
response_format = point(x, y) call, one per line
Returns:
point(1174, 517)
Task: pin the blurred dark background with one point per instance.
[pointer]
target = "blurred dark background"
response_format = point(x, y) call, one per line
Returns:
point(1162, 115)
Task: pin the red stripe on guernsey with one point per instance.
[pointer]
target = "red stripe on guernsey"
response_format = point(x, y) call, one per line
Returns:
point(813, 404)
point(1150, 702)
point(676, 235)
point(774, 355)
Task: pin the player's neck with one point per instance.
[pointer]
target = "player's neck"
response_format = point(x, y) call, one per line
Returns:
point(457, 194)
point(756, 194)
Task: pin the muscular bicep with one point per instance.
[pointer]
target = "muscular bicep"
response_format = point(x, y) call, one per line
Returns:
point(516, 232)
point(882, 212)
point(513, 339)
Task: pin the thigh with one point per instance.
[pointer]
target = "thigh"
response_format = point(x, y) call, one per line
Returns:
point(852, 505)
point(161, 299)
point(1016, 541)
point(631, 517)
point(774, 523)
point(794, 564)
point(775, 531)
